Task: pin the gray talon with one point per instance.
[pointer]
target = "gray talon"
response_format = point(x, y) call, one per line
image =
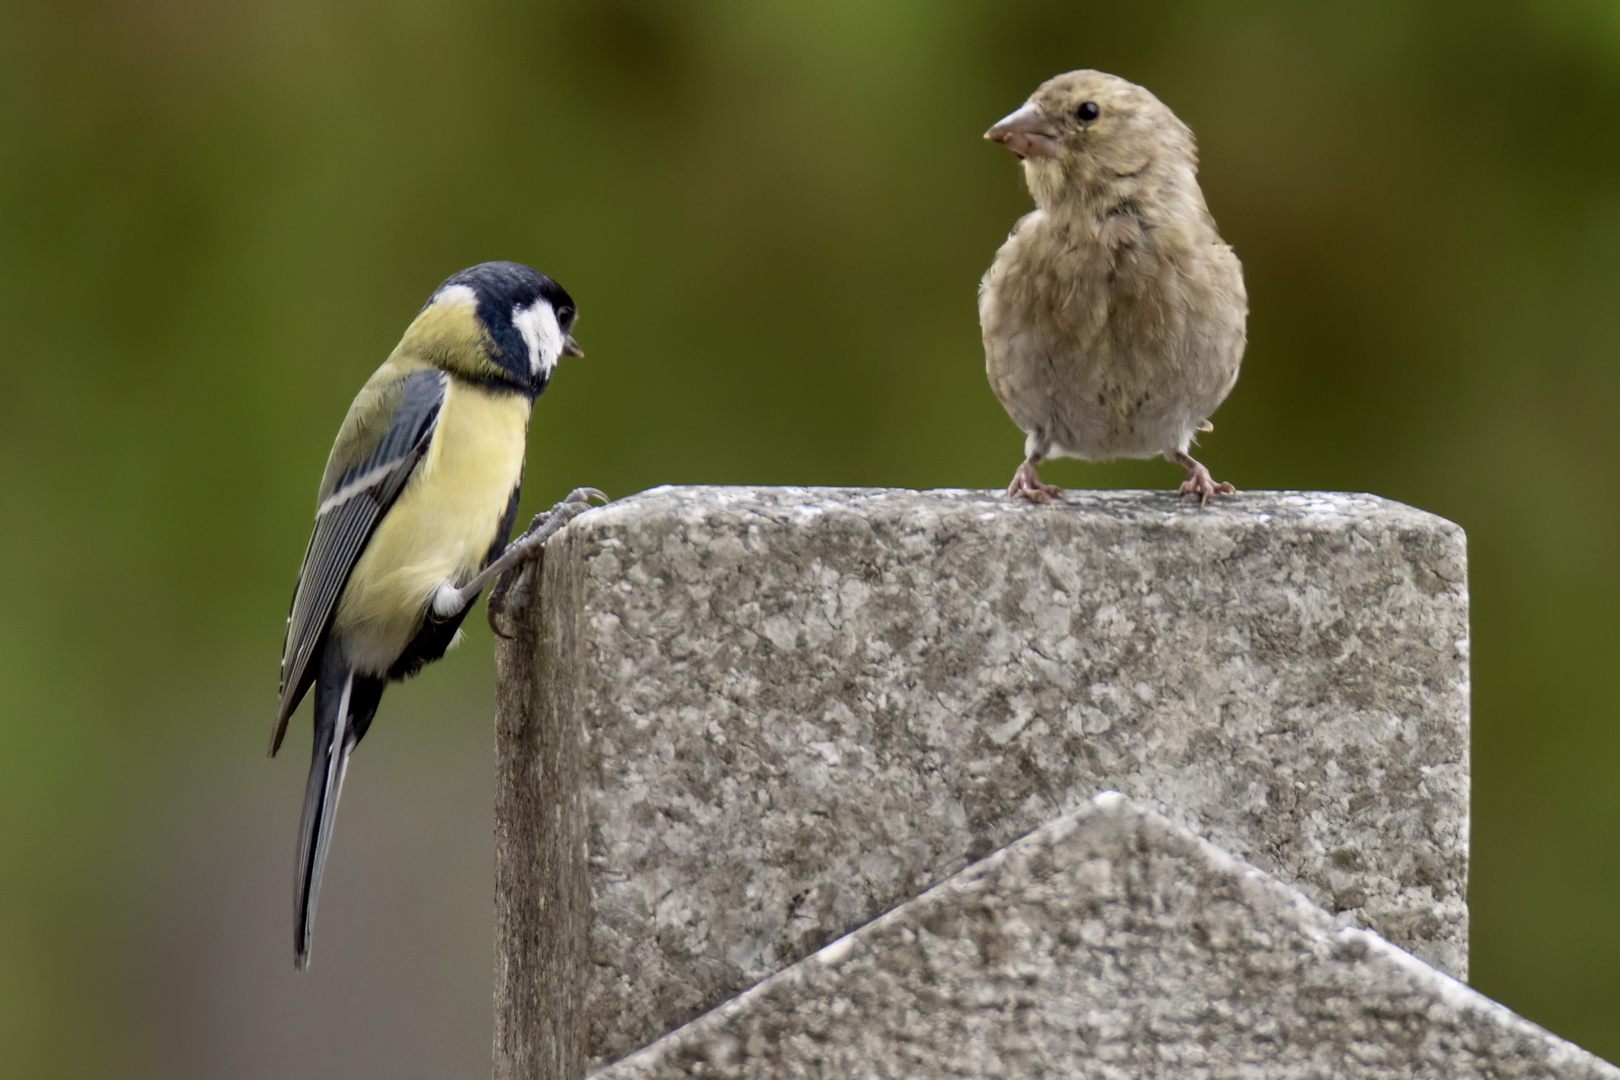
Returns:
point(508, 595)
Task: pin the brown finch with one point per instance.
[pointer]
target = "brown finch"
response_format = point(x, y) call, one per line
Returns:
point(1113, 316)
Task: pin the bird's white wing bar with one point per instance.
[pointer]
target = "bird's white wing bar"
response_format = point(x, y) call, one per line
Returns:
point(344, 525)
point(356, 486)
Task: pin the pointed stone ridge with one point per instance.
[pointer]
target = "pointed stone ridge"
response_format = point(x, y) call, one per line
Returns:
point(742, 722)
point(1111, 943)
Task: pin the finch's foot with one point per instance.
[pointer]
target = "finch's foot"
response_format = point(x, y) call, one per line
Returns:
point(1026, 484)
point(512, 589)
point(1199, 482)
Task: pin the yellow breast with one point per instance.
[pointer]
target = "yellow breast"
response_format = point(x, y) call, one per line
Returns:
point(440, 528)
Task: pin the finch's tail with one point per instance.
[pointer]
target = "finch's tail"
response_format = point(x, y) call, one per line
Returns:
point(344, 705)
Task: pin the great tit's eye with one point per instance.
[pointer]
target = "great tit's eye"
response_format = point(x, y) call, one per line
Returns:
point(565, 316)
point(1087, 111)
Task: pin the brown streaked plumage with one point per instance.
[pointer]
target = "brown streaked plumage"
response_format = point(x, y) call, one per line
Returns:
point(1114, 315)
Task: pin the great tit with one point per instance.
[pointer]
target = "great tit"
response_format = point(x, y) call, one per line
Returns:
point(412, 516)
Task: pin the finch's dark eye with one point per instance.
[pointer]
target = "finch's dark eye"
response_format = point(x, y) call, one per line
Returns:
point(1087, 111)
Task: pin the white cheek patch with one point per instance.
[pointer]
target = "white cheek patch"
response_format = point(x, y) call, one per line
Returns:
point(538, 325)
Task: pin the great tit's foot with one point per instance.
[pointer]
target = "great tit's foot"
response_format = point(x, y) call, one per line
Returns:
point(512, 590)
point(1199, 482)
point(548, 523)
point(545, 525)
point(1026, 484)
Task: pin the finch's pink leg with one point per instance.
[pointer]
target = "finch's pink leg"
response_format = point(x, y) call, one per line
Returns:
point(1026, 484)
point(1199, 482)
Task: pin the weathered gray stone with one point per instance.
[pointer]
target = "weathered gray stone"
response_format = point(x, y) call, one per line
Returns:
point(1114, 945)
point(740, 723)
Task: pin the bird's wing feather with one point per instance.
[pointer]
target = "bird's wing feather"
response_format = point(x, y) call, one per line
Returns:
point(383, 437)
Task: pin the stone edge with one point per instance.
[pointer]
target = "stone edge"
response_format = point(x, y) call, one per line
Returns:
point(1113, 807)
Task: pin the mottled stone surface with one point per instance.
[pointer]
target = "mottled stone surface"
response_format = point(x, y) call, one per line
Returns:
point(742, 722)
point(1114, 945)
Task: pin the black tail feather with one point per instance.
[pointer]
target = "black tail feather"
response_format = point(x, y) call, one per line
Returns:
point(344, 705)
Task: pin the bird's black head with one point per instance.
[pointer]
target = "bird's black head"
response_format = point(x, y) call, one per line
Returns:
point(528, 318)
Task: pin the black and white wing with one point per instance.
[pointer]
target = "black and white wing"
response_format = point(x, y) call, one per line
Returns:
point(385, 434)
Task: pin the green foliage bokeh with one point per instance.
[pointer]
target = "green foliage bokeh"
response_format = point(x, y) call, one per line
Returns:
point(216, 218)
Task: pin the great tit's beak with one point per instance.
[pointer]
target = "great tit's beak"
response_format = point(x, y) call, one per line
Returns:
point(1026, 133)
point(571, 347)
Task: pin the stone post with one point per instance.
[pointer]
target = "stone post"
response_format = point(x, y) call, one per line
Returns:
point(736, 724)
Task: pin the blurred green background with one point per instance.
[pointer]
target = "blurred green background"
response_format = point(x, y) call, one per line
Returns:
point(217, 217)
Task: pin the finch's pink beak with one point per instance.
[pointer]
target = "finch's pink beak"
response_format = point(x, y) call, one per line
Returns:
point(1026, 133)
